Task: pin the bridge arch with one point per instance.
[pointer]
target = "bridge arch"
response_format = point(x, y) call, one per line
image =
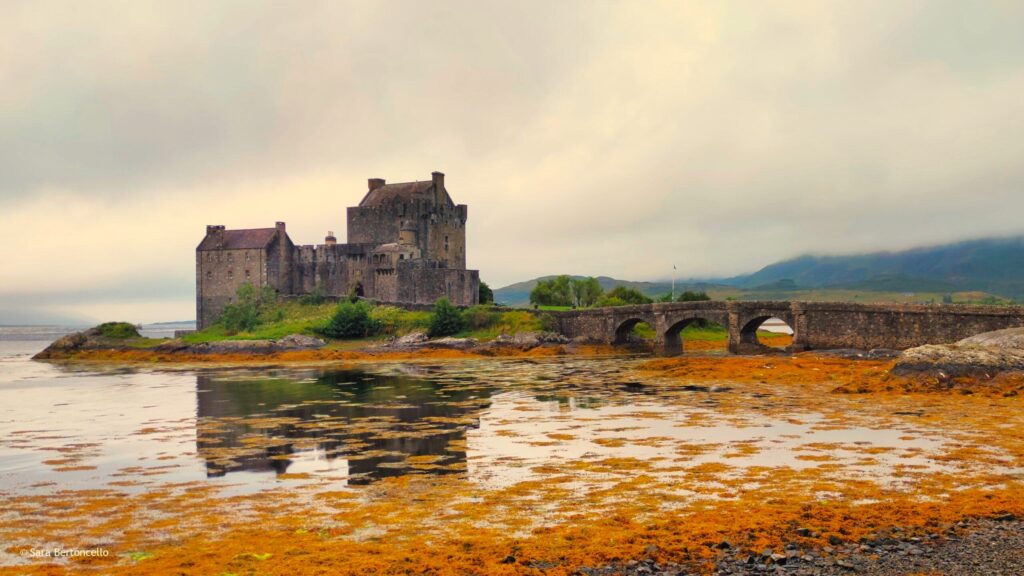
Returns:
point(672, 338)
point(624, 327)
point(750, 326)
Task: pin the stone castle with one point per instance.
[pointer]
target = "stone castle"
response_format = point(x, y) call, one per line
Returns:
point(406, 244)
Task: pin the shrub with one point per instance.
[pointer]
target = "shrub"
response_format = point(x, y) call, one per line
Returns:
point(446, 319)
point(118, 330)
point(548, 323)
point(314, 298)
point(478, 317)
point(244, 313)
point(350, 320)
point(486, 294)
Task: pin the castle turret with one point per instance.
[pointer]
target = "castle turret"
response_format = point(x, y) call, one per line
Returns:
point(330, 240)
point(407, 234)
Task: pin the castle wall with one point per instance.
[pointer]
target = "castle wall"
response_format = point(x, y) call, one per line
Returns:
point(219, 274)
point(421, 284)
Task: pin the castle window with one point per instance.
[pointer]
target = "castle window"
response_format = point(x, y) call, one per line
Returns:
point(446, 244)
point(246, 274)
point(231, 257)
point(209, 256)
point(209, 275)
point(231, 275)
point(247, 256)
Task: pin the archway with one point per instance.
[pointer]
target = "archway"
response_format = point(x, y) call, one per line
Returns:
point(767, 332)
point(700, 334)
point(358, 289)
point(634, 331)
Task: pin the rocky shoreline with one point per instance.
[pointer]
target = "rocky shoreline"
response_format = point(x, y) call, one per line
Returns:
point(973, 547)
point(983, 356)
point(91, 344)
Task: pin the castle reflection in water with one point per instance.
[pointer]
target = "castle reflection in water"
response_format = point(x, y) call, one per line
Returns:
point(383, 425)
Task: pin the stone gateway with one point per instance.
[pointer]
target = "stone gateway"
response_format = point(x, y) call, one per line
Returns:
point(406, 244)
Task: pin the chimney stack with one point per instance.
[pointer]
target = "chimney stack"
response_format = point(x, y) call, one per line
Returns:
point(217, 231)
point(375, 183)
point(330, 240)
point(438, 179)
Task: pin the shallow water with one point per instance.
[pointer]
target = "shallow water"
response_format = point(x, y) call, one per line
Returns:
point(494, 422)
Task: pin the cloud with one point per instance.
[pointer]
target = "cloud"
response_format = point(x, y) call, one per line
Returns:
point(594, 138)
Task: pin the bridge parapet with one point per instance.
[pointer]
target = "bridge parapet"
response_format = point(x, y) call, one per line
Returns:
point(816, 325)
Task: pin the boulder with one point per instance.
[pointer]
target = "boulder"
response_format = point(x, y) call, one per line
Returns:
point(64, 346)
point(452, 343)
point(983, 355)
point(411, 339)
point(299, 342)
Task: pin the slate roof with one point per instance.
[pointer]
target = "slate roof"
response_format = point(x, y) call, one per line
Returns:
point(240, 239)
point(400, 191)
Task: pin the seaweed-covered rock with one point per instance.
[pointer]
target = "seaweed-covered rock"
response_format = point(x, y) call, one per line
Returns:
point(983, 355)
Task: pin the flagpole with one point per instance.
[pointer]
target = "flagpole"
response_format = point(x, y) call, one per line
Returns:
point(673, 282)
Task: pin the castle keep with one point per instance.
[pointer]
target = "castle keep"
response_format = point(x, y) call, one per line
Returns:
point(406, 244)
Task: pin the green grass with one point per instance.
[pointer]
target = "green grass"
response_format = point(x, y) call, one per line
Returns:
point(280, 320)
point(118, 330)
point(712, 333)
point(293, 317)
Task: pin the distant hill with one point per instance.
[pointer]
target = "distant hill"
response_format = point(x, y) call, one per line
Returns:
point(988, 266)
point(518, 294)
point(993, 265)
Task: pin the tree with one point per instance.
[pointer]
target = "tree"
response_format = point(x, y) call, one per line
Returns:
point(486, 294)
point(250, 303)
point(623, 296)
point(553, 292)
point(446, 319)
point(585, 291)
point(688, 296)
point(350, 320)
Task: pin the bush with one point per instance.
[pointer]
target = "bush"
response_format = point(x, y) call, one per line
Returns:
point(244, 313)
point(446, 319)
point(477, 317)
point(118, 330)
point(350, 320)
point(314, 298)
point(548, 323)
point(486, 294)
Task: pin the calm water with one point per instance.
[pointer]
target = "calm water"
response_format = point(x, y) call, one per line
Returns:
point(494, 422)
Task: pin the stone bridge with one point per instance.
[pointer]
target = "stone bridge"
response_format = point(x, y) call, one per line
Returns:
point(815, 325)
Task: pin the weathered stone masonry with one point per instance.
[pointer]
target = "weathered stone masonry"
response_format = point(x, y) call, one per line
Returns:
point(407, 244)
point(816, 325)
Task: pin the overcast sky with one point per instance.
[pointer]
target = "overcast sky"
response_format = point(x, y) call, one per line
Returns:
point(587, 137)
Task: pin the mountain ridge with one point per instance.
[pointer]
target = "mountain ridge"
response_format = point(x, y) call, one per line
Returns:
point(991, 265)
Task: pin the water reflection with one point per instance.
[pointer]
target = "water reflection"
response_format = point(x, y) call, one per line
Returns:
point(382, 425)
